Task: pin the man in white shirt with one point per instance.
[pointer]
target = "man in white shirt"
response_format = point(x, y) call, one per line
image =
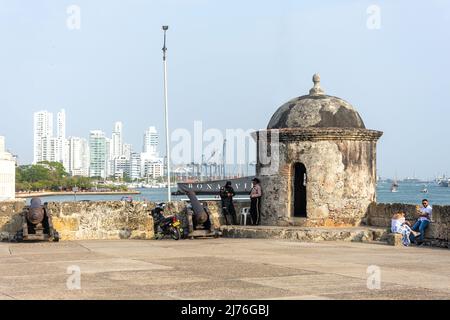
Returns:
point(425, 215)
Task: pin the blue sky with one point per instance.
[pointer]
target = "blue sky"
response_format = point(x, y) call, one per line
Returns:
point(231, 65)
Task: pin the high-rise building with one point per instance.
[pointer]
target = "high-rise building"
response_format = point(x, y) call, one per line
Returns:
point(121, 167)
point(153, 168)
point(109, 158)
point(151, 141)
point(62, 141)
point(135, 166)
point(7, 173)
point(97, 148)
point(61, 124)
point(66, 155)
point(117, 140)
point(127, 150)
point(151, 165)
point(43, 127)
point(79, 159)
point(48, 147)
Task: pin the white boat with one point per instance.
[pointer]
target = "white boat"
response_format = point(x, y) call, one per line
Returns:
point(394, 186)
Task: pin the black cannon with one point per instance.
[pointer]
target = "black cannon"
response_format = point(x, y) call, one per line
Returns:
point(199, 219)
point(37, 223)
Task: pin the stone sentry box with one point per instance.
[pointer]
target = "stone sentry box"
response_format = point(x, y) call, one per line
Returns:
point(325, 163)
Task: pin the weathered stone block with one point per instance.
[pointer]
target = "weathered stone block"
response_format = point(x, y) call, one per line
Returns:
point(11, 224)
point(63, 224)
point(394, 239)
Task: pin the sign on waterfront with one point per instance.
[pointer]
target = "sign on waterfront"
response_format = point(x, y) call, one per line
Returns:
point(240, 186)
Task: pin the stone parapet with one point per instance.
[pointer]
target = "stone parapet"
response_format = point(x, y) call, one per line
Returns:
point(103, 220)
point(437, 234)
point(10, 217)
point(359, 234)
point(86, 220)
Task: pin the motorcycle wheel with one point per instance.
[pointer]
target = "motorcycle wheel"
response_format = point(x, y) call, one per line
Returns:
point(175, 233)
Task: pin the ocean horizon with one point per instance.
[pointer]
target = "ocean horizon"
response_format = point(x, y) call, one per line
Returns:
point(408, 193)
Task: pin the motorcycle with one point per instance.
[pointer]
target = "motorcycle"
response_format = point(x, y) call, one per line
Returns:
point(164, 226)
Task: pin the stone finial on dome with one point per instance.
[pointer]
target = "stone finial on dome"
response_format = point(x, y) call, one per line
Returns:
point(316, 90)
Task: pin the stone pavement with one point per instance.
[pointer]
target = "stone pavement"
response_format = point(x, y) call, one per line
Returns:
point(221, 269)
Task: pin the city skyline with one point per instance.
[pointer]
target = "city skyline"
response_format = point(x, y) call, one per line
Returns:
point(97, 155)
point(149, 147)
point(231, 75)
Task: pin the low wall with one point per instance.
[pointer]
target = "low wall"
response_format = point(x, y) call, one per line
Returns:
point(379, 215)
point(124, 220)
point(10, 218)
point(100, 220)
point(86, 220)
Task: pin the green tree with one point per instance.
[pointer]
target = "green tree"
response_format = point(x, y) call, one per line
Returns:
point(127, 178)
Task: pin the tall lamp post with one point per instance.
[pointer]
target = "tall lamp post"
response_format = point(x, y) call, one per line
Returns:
point(164, 49)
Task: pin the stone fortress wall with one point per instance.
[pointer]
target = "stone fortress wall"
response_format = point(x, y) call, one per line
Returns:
point(379, 215)
point(123, 220)
point(106, 220)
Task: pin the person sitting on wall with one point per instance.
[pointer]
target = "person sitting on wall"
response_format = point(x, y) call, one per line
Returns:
point(255, 201)
point(422, 223)
point(226, 195)
point(403, 227)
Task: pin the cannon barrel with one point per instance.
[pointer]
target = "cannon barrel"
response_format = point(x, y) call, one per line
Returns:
point(36, 213)
point(200, 214)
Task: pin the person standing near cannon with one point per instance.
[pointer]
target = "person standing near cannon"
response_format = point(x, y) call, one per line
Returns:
point(255, 201)
point(226, 195)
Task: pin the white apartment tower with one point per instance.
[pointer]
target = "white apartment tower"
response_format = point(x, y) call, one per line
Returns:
point(7, 173)
point(97, 148)
point(135, 166)
point(61, 124)
point(151, 140)
point(62, 141)
point(151, 165)
point(109, 157)
point(43, 127)
point(117, 140)
point(79, 159)
point(48, 147)
point(127, 150)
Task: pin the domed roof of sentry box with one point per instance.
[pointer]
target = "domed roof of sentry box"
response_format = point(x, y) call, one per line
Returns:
point(316, 110)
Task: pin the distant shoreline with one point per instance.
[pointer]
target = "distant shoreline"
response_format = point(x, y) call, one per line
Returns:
point(23, 195)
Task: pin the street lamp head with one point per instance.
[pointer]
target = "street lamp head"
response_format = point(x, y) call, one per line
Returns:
point(165, 28)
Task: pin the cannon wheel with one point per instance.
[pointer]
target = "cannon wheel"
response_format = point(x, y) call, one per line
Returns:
point(18, 237)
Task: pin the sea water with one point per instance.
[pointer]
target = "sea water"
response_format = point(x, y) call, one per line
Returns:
point(407, 193)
